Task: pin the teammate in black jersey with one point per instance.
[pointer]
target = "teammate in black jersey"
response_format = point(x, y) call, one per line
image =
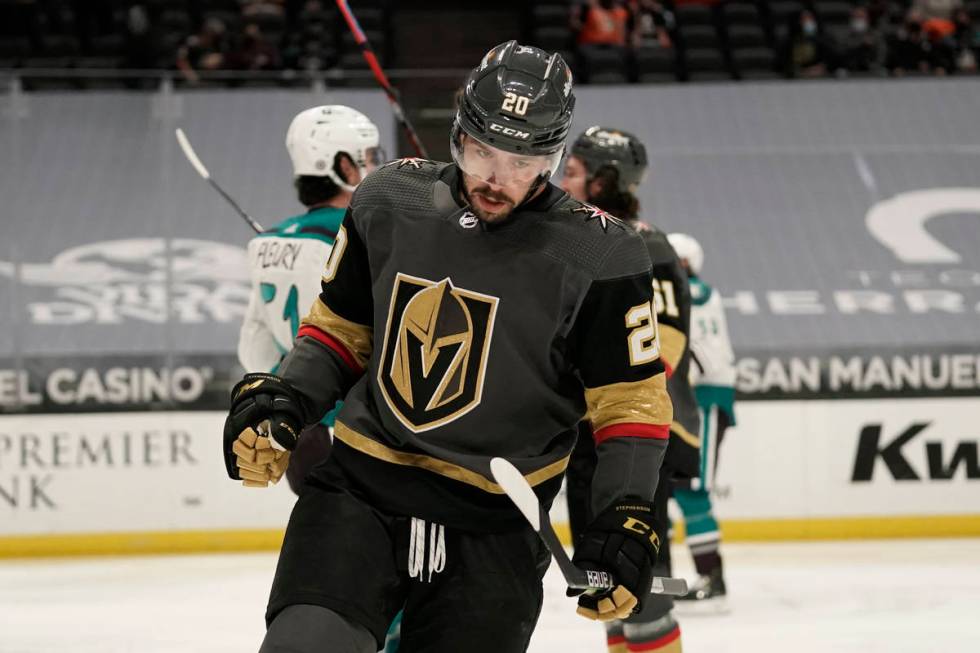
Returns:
point(468, 311)
point(605, 168)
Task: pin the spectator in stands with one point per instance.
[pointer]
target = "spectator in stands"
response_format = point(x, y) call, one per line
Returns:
point(141, 47)
point(206, 50)
point(965, 42)
point(599, 25)
point(600, 22)
point(805, 52)
point(255, 51)
point(940, 11)
point(861, 47)
point(937, 25)
point(652, 24)
point(909, 51)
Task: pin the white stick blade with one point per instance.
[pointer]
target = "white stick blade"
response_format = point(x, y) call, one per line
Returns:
point(185, 145)
point(518, 489)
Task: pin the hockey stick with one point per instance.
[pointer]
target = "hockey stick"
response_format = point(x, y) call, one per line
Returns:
point(379, 75)
point(520, 492)
point(185, 145)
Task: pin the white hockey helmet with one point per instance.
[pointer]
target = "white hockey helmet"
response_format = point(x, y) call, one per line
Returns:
point(317, 135)
point(687, 247)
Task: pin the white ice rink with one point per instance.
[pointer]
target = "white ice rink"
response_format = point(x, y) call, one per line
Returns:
point(912, 596)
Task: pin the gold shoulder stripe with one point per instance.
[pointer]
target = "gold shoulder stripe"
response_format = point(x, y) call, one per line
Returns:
point(632, 402)
point(377, 450)
point(357, 338)
point(672, 343)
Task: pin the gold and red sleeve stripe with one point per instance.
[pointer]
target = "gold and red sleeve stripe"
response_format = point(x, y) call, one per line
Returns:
point(639, 409)
point(668, 643)
point(353, 342)
point(672, 344)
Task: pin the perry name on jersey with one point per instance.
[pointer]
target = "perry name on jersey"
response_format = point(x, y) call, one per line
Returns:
point(463, 341)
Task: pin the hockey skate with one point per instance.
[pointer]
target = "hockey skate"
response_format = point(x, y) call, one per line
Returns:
point(707, 596)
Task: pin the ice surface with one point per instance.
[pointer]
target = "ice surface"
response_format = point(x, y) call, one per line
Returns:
point(873, 596)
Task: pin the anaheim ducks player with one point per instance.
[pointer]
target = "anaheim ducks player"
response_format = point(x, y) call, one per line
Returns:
point(605, 167)
point(468, 311)
point(332, 148)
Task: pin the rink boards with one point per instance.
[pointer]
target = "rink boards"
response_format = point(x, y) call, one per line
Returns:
point(839, 221)
point(152, 482)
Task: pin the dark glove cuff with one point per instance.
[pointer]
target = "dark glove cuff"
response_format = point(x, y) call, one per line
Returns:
point(632, 518)
point(282, 398)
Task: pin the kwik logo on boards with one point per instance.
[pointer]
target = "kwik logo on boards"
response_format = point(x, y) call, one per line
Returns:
point(893, 453)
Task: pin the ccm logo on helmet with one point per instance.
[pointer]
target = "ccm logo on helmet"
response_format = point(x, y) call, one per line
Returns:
point(509, 131)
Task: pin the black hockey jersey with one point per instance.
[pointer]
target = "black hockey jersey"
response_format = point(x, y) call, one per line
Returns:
point(672, 300)
point(456, 341)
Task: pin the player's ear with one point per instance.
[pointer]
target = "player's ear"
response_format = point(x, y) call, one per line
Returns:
point(594, 188)
point(348, 170)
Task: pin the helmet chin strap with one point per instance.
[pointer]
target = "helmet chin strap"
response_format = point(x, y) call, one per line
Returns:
point(335, 178)
point(540, 181)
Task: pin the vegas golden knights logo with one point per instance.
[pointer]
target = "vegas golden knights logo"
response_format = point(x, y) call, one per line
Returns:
point(435, 351)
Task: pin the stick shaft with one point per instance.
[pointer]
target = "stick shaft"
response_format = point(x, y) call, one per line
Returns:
point(519, 491)
point(194, 160)
point(245, 216)
point(379, 74)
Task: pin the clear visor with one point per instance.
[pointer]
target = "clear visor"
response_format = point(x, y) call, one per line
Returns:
point(373, 157)
point(494, 166)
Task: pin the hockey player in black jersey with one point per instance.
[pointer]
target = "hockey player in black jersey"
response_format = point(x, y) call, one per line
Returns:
point(605, 168)
point(468, 311)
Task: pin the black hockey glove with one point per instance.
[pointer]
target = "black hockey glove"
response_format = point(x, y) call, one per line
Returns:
point(623, 540)
point(263, 425)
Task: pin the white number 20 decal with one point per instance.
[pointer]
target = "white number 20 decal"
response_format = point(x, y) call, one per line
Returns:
point(516, 104)
point(643, 344)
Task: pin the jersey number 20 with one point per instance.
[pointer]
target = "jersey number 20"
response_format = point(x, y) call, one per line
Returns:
point(643, 345)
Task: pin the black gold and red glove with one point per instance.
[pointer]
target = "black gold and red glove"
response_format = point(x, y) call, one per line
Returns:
point(262, 427)
point(623, 540)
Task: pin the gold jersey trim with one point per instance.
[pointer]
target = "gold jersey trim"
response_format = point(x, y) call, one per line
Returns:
point(377, 450)
point(672, 343)
point(630, 402)
point(357, 338)
point(676, 428)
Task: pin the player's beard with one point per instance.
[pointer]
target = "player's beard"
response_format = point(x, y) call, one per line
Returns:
point(479, 192)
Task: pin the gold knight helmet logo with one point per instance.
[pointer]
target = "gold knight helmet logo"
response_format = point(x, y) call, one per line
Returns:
point(435, 351)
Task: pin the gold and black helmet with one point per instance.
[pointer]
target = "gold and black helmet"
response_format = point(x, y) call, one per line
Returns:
point(519, 99)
